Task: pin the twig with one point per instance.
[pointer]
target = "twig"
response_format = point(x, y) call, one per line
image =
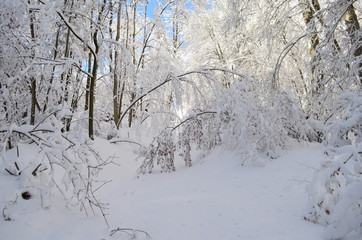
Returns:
point(44, 120)
point(304, 165)
point(12, 174)
point(192, 117)
point(35, 170)
point(125, 230)
point(126, 141)
point(76, 35)
point(102, 185)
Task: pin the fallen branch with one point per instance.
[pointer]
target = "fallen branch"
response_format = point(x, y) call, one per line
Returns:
point(130, 231)
point(125, 141)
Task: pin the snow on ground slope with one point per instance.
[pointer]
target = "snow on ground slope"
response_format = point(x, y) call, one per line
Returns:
point(215, 199)
point(219, 199)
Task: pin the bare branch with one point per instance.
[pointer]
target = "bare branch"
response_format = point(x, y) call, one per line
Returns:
point(192, 117)
point(126, 141)
point(76, 35)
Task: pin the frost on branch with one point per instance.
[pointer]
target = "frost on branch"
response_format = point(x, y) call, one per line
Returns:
point(254, 126)
point(336, 194)
point(346, 127)
point(336, 191)
point(129, 234)
point(195, 130)
point(44, 163)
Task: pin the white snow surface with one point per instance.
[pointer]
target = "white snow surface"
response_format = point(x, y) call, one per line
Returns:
point(216, 199)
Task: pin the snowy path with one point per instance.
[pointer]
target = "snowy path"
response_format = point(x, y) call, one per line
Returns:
point(218, 199)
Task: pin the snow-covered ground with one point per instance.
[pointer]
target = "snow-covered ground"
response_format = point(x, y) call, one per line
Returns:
point(215, 199)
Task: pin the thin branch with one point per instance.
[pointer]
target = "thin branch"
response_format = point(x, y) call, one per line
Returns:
point(35, 170)
point(45, 119)
point(12, 174)
point(75, 34)
point(80, 69)
point(282, 55)
point(126, 141)
point(130, 229)
point(145, 45)
point(192, 117)
point(168, 79)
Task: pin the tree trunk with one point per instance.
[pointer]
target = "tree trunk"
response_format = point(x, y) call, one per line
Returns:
point(32, 79)
point(117, 96)
point(132, 112)
point(33, 100)
point(53, 70)
point(74, 102)
point(309, 19)
point(89, 70)
point(93, 79)
point(92, 86)
point(308, 15)
point(353, 29)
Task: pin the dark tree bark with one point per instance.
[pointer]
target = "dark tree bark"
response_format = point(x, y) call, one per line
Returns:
point(354, 32)
point(132, 112)
point(89, 70)
point(93, 79)
point(117, 92)
point(32, 79)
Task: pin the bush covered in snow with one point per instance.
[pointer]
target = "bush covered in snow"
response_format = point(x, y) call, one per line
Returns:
point(161, 152)
point(42, 160)
point(242, 120)
point(255, 125)
point(336, 194)
point(336, 191)
point(346, 127)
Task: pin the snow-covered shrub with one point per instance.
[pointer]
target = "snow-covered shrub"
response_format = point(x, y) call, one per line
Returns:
point(243, 120)
point(200, 129)
point(336, 191)
point(292, 119)
point(253, 124)
point(43, 161)
point(336, 194)
point(346, 127)
point(184, 143)
point(161, 152)
point(197, 130)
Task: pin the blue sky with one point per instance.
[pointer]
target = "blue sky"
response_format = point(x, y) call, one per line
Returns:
point(151, 6)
